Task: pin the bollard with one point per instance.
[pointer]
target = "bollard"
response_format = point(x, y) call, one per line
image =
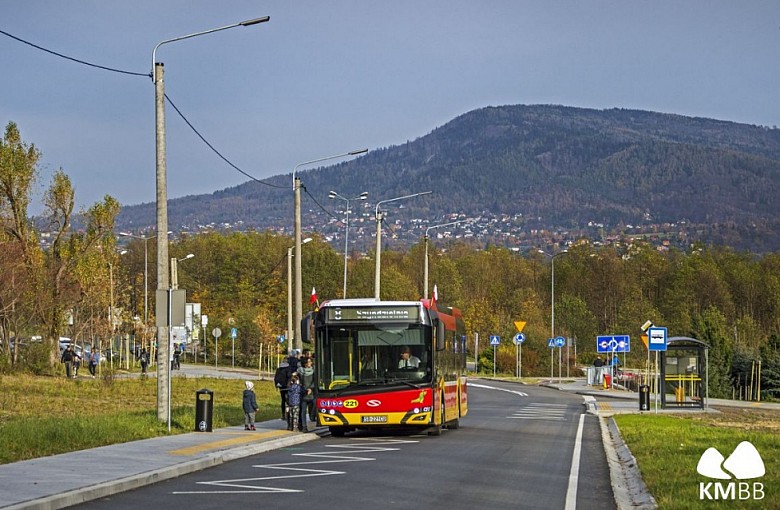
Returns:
point(644, 397)
point(204, 410)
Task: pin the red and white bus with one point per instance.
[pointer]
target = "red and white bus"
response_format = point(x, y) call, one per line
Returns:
point(388, 364)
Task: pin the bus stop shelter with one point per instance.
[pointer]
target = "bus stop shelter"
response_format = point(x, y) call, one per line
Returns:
point(684, 373)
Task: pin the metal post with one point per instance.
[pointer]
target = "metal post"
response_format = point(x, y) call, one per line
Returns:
point(289, 299)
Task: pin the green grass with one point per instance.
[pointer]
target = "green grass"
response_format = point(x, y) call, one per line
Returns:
point(668, 448)
point(42, 416)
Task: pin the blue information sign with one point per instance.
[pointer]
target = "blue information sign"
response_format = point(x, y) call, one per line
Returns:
point(656, 339)
point(613, 343)
point(495, 339)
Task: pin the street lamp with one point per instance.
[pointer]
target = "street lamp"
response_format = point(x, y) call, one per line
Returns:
point(552, 306)
point(162, 199)
point(175, 269)
point(425, 276)
point(290, 294)
point(297, 199)
point(378, 217)
point(362, 196)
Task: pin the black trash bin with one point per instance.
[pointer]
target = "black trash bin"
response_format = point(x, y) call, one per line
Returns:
point(204, 410)
point(644, 397)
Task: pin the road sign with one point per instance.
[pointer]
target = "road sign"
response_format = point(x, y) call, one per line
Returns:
point(280, 339)
point(216, 332)
point(519, 325)
point(613, 343)
point(657, 339)
point(495, 339)
point(560, 341)
point(551, 342)
point(519, 338)
point(233, 332)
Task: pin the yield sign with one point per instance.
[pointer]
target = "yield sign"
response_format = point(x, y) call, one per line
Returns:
point(519, 325)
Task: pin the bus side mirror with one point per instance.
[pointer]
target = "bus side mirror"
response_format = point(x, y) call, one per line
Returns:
point(440, 331)
point(306, 325)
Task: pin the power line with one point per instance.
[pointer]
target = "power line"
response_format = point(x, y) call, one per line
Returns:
point(215, 150)
point(149, 75)
point(74, 59)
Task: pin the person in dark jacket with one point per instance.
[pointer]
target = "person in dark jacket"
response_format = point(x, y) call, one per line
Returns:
point(281, 381)
point(306, 375)
point(67, 357)
point(294, 398)
point(250, 406)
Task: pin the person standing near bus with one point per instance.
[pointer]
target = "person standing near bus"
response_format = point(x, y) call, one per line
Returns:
point(294, 398)
point(282, 381)
point(306, 375)
point(408, 360)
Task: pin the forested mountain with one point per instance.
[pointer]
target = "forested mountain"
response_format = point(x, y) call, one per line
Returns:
point(557, 168)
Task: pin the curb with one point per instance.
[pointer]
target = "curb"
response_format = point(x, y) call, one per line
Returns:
point(112, 487)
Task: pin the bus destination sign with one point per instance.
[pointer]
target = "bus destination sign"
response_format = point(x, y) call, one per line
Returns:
point(374, 313)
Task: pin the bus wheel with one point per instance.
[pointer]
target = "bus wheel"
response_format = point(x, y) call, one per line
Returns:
point(337, 431)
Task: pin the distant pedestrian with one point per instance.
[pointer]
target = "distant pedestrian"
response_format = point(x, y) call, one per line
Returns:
point(67, 358)
point(282, 380)
point(143, 357)
point(94, 358)
point(250, 406)
point(76, 364)
point(294, 398)
point(598, 364)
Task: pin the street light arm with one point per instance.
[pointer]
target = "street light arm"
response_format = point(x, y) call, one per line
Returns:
point(246, 23)
point(343, 155)
point(376, 213)
point(442, 225)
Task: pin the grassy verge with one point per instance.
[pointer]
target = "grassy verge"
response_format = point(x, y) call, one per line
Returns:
point(668, 449)
point(42, 416)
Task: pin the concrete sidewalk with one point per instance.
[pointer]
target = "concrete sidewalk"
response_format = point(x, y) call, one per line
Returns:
point(68, 479)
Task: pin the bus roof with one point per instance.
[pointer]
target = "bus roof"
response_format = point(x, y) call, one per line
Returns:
point(367, 302)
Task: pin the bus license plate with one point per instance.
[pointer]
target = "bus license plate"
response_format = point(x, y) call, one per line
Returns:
point(373, 419)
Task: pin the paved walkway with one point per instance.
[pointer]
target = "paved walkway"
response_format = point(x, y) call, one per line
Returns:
point(68, 479)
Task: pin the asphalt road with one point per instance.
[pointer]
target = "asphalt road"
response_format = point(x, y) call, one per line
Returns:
point(515, 449)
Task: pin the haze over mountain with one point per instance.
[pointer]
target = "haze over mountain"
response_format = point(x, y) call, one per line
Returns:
point(547, 167)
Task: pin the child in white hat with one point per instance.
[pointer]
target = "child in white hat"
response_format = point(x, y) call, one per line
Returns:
point(250, 406)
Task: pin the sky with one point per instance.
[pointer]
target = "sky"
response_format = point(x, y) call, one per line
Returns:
point(324, 78)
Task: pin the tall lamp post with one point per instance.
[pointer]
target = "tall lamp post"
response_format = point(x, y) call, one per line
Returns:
point(378, 215)
point(296, 182)
point(425, 275)
point(362, 196)
point(290, 295)
point(552, 307)
point(163, 400)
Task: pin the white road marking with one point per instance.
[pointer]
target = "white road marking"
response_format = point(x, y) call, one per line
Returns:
point(574, 474)
point(353, 452)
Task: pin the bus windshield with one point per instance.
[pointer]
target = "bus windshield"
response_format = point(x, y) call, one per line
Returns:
point(372, 354)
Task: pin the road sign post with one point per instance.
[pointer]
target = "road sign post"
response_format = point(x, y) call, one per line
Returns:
point(519, 339)
point(494, 341)
point(216, 333)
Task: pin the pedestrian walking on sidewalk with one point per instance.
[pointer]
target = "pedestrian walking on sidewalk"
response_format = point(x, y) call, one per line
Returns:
point(250, 406)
